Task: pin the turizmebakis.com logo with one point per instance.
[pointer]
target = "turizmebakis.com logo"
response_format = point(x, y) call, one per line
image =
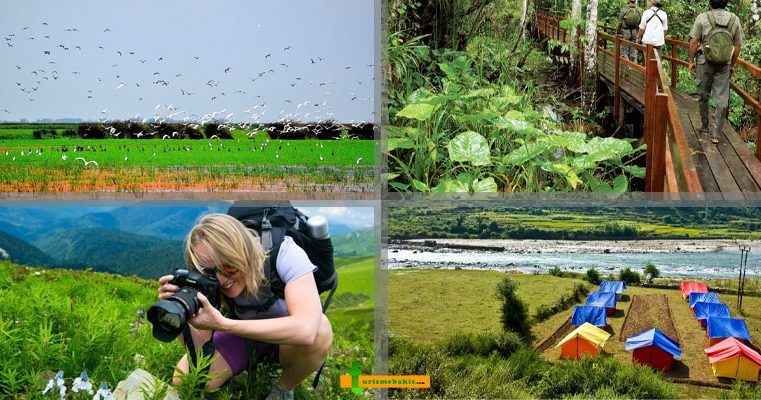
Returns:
point(356, 381)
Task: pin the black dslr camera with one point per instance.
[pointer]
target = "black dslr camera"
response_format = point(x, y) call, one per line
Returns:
point(170, 316)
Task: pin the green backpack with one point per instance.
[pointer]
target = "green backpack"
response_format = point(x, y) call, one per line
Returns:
point(719, 43)
point(631, 19)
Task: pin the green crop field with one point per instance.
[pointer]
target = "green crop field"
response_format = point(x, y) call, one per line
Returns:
point(78, 321)
point(248, 161)
point(431, 306)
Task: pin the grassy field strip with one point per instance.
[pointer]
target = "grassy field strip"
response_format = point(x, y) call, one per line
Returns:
point(449, 301)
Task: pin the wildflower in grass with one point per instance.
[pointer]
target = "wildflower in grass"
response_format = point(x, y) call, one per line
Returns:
point(103, 393)
point(56, 382)
point(82, 384)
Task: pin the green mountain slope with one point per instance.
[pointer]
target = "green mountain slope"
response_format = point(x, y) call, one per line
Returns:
point(21, 252)
point(353, 244)
point(114, 251)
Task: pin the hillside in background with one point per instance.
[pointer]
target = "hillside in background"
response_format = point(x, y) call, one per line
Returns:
point(164, 222)
point(581, 223)
point(20, 252)
point(358, 243)
point(113, 251)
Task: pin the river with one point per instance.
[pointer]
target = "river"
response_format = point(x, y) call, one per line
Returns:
point(698, 258)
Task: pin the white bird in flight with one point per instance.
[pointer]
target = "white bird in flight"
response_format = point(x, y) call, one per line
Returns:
point(87, 163)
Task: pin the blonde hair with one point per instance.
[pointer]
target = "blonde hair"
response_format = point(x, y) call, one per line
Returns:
point(229, 243)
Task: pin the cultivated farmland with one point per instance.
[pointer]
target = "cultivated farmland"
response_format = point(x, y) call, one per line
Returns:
point(249, 161)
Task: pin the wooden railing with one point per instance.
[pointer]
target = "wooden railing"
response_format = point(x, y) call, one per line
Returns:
point(674, 45)
point(669, 164)
point(669, 167)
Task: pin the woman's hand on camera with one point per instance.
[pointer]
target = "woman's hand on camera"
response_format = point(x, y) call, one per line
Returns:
point(208, 317)
point(166, 290)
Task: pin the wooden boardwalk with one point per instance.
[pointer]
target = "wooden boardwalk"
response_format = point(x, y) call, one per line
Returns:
point(679, 159)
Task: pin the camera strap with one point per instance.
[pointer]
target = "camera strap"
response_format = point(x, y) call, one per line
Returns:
point(207, 349)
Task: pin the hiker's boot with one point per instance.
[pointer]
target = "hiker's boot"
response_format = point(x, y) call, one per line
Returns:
point(704, 118)
point(280, 393)
point(721, 115)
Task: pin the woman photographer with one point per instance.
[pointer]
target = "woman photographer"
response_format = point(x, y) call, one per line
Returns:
point(293, 329)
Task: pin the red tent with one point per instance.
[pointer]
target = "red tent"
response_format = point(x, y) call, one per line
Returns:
point(692, 287)
point(654, 349)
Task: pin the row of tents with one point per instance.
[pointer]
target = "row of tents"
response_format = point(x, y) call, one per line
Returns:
point(728, 338)
point(728, 351)
point(588, 338)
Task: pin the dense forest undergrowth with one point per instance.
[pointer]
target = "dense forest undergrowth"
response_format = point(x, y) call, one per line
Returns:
point(476, 104)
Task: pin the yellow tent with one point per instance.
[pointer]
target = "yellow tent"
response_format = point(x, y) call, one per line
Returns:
point(586, 339)
point(731, 358)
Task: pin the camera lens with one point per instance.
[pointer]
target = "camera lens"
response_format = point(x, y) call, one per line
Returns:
point(170, 316)
point(169, 321)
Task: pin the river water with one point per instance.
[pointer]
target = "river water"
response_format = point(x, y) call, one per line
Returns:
point(710, 259)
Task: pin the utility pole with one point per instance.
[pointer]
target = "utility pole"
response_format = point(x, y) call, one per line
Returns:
point(744, 250)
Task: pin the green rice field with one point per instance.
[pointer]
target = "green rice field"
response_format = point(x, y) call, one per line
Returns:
point(248, 161)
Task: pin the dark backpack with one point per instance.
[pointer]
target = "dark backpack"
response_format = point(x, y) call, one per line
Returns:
point(719, 43)
point(632, 17)
point(273, 224)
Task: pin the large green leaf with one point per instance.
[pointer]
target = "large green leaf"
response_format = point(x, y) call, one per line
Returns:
point(564, 170)
point(420, 186)
point(573, 141)
point(399, 143)
point(479, 117)
point(600, 149)
point(484, 92)
point(451, 186)
point(418, 111)
point(524, 153)
point(469, 147)
point(518, 126)
point(634, 170)
point(418, 95)
point(620, 184)
point(485, 185)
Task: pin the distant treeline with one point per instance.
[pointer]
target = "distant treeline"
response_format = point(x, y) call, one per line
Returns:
point(571, 224)
point(286, 130)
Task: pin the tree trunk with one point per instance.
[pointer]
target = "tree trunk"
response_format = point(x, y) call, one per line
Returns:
point(524, 12)
point(755, 13)
point(572, 37)
point(590, 59)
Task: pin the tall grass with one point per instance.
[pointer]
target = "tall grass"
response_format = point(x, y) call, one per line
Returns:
point(522, 373)
point(78, 321)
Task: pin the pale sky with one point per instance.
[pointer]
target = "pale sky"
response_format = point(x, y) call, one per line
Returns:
point(260, 60)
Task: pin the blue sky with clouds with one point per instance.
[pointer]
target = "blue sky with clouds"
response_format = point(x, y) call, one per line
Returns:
point(259, 60)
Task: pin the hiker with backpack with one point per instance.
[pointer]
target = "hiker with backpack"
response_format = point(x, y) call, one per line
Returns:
point(653, 25)
point(628, 26)
point(715, 40)
point(266, 313)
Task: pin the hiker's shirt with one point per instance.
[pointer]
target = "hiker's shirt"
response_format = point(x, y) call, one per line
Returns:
point(292, 263)
point(702, 27)
point(654, 22)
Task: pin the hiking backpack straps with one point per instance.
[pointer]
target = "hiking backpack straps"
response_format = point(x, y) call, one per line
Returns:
point(655, 14)
point(719, 45)
point(273, 224)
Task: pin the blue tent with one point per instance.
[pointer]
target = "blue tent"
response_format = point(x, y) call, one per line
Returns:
point(710, 297)
point(602, 299)
point(720, 328)
point(711, 310)
point(617, 287)
point(593, 315)
point(653, 337)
